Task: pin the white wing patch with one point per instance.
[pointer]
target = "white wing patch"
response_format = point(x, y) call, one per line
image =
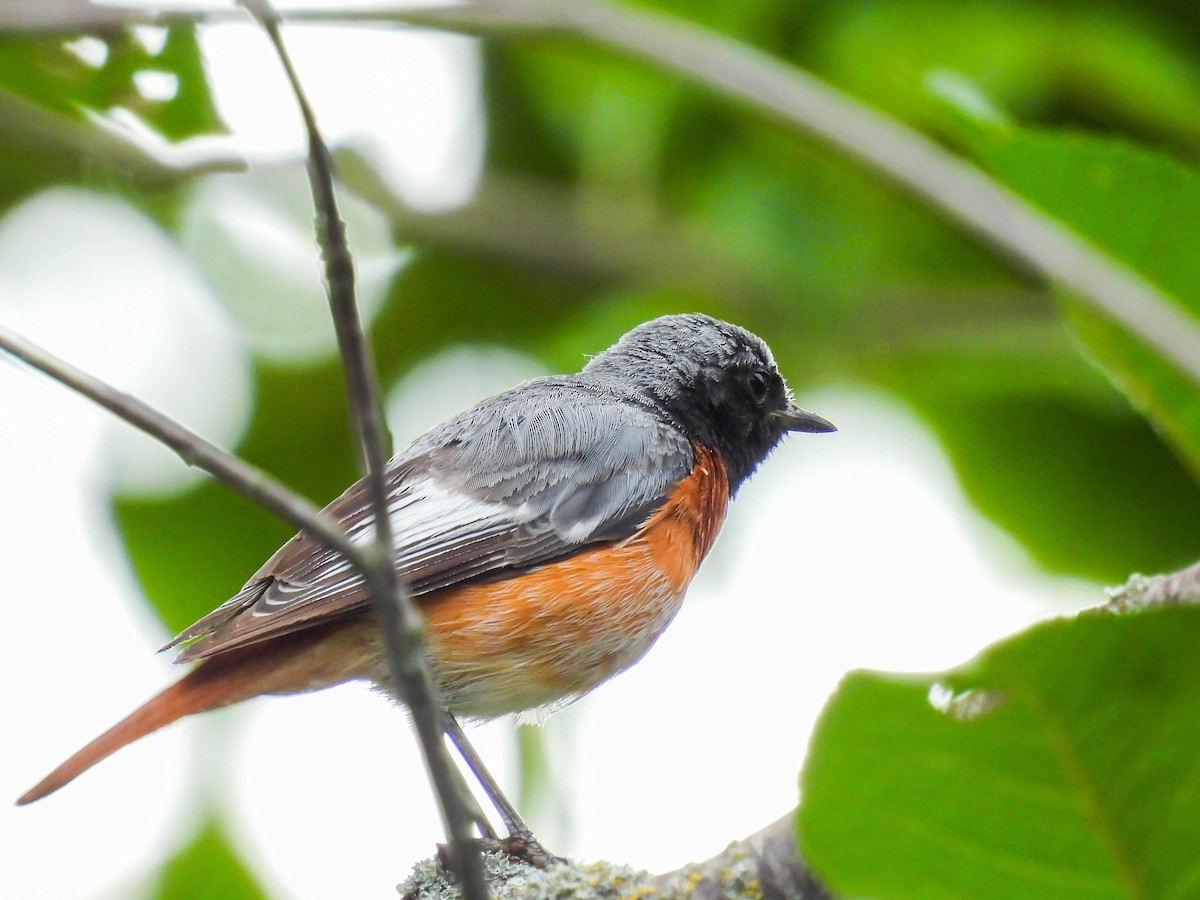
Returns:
point(427, 521)
point(427, 518)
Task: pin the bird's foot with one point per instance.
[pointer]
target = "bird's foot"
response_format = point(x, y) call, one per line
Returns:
point(524, 846)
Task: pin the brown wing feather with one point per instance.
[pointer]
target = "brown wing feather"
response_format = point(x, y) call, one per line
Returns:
point(304, 584)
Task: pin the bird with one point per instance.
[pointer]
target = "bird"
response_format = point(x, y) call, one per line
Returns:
point(547, 534)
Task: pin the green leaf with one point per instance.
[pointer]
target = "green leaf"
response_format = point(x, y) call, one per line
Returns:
point(1046, 448)
point(1143, 209)
point(155, 73)
point(1048, 62)
point(49, 94)
point(207, 867)
point(1064, 762)
point(1089, 491)
point(615, 118)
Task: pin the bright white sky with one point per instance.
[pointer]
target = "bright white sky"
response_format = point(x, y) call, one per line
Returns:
point(847, 550)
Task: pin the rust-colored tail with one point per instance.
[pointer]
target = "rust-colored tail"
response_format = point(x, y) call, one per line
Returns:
point(220, 681)
point(208, 686)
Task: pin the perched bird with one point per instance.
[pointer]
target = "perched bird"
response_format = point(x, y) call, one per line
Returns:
point(548, 535)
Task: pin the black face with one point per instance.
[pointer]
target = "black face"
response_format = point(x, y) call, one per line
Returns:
point(732, 407)
point(718, 381)
point(746, 391)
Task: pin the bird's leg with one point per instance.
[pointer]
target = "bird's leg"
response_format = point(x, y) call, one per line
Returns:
point(520, 841)
point(474, 812)
point(487, 834)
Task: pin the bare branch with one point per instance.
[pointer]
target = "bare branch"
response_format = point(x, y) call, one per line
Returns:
point(397, 616)
point(71, 17)
point(249, 481)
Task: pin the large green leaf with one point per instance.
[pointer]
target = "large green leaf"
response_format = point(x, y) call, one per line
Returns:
point(1064, 762)
point(1049, 62)
point(1046, 448)
point(1143, 209)
point(1089, 491)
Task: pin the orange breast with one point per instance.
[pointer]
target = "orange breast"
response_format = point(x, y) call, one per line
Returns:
point(552, 634)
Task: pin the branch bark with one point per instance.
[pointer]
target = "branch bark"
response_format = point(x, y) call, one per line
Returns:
point(1140, 592)
point(764, 866)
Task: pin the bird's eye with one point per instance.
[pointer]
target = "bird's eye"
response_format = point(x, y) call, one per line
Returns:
point(760, 385)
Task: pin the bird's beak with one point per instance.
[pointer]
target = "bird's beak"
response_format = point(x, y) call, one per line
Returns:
point(796, 419)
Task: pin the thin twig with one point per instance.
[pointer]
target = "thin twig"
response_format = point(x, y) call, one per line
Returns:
point(249, 481)
point(398, 619)
point(794, 97)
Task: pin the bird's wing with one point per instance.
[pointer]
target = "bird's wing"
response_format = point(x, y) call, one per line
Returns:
point(497, 489)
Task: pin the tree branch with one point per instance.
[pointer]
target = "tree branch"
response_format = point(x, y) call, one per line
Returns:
point(76, 147)
point(399, 622)
point(764, 866)
point(1140, 592)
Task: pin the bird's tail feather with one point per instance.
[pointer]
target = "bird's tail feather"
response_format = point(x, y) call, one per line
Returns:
point(214, 683)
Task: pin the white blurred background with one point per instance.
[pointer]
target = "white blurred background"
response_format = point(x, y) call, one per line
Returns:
point(846, 550)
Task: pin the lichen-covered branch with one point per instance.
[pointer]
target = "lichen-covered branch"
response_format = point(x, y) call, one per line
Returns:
point(1148, 591)
point(764, 866)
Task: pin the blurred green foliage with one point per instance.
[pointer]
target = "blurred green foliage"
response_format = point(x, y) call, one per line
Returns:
point(1107, 66)
point(52, 87)
point(87, 74)
point(207, 866)
point(613, 192)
